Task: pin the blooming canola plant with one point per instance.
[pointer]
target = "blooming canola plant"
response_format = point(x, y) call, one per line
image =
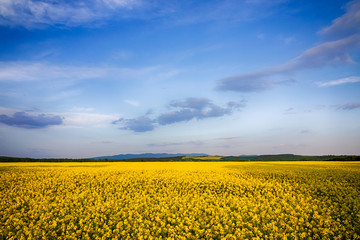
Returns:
point(180, 200)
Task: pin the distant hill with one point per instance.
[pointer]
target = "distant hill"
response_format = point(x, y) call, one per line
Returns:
point(291, 157)
point(193, 157)
point(149, 155)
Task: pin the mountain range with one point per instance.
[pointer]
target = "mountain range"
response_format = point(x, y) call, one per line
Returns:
point(150, 155)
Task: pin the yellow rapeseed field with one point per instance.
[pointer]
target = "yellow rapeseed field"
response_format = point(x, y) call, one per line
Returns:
point(180, 200)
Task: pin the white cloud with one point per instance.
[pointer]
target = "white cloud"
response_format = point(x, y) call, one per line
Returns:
point(122, 55)
point(164, 144)
point(122, 3)
point(81, 109)
point(132, 103)
point(261, 36)
point(170, 144)
point(352, 79)
point(37, 71)
point(7, 111)
point(288, 40)
point(85, 119)
point(43, 13)
point(35, 14)
point(63, 95)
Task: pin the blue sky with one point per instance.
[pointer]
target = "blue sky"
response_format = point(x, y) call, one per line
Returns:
point(102, 77)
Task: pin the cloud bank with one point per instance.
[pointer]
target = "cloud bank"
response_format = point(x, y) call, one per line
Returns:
point(186, 110)
point(24, 120)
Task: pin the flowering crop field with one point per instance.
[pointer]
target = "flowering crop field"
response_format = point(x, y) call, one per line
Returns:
point(180, 200)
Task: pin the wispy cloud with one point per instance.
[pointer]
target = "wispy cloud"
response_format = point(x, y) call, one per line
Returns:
point(290, 111)
point(184, 12)
point(82, 109)
point(38, 14)
point(25, 120)
point(305, 131)
point(129, 4)
point(164, 144)
point(170, 144)
point(352, 79)
point(326, 54)
point(344, 106)
point(347, 24)
point(62, 13)
point(330, 53)
point(284, 147)
point(349, 106)
point(132, 102)
point(186, 110)
point(38, 71)
point(35, 71)
point(261, 36)
point(288, 40)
